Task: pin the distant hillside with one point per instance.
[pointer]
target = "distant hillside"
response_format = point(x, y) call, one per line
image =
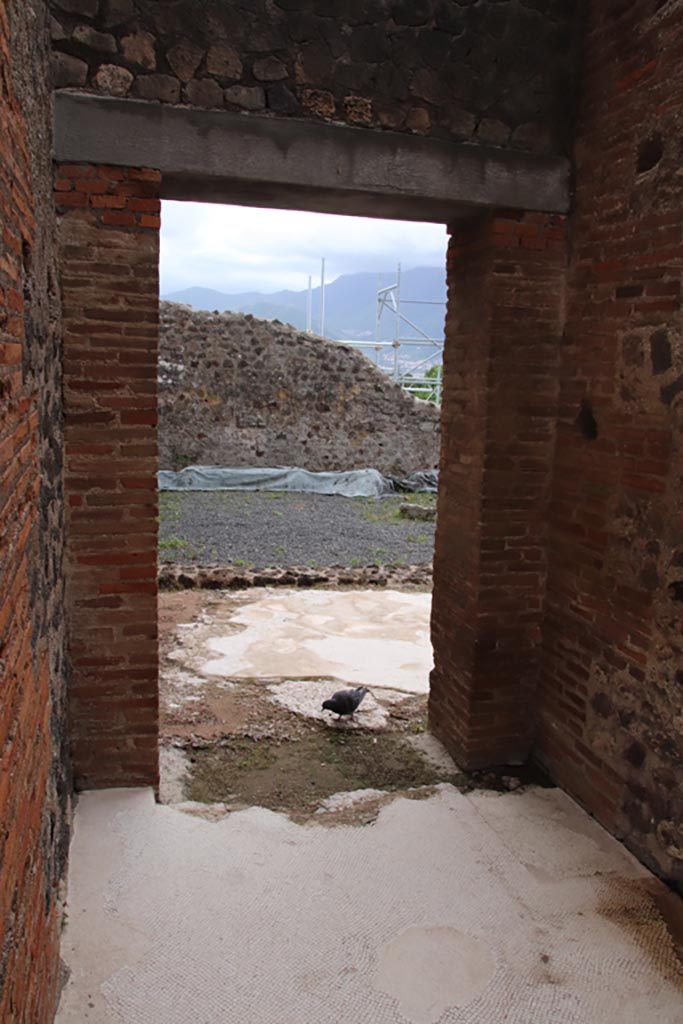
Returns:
point(350, 304)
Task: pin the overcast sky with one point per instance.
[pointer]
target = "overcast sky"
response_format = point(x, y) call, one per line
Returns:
point(238, 248)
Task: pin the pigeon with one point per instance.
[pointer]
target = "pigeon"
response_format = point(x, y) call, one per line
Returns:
point(345, 702)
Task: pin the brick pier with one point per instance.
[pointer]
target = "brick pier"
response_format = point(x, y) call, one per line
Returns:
point(109, 250)
point(503, 330)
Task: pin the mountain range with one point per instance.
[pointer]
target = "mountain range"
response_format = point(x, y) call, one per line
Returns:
point(350, 305)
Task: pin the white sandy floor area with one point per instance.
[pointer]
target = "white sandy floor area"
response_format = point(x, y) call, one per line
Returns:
point(483, 908)
point(357, 637)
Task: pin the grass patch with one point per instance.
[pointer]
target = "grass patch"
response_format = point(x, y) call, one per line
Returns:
point(380, 510)
point(180, 459)
point(169, 505)
point(427, 498)
point(387, 510)
point(176, 545)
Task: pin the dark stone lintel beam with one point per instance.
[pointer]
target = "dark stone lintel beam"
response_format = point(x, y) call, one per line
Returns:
point(217, 156)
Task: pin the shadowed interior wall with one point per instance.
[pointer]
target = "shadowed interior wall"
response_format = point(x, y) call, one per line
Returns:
point(611, 728)
point(109, 258)
point(34, 773)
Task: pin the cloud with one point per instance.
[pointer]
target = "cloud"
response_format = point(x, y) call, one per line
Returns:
point(237, 248)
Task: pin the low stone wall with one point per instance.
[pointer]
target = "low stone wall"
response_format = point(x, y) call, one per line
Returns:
point(227, 577)
point(238, 391)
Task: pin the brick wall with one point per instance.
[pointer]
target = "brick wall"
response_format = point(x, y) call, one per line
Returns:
point(109, 250)
point(34, 779)
point(503, 328)
point(611, 729)
point(494, 73)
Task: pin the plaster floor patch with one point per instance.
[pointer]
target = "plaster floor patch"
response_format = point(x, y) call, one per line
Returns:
point(429, 969)
point(342, 801)
point(305, 697)
point(356, 637)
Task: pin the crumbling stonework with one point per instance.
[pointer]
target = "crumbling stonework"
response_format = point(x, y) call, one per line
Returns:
point(34, 776)
point(496, 72)
point(221, 577)
point(238, 391)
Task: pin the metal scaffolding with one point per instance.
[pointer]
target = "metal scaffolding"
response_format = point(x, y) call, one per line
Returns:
point(412, 378)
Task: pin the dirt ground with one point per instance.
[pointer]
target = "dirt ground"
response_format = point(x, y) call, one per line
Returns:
point(231, 744)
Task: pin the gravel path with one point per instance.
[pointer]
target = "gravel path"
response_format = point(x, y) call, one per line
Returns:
point(259, 529)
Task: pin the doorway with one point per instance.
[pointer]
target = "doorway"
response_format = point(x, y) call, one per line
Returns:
point(278, 592)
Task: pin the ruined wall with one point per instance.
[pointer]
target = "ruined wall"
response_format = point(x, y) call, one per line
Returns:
point(34, 777)
point(109, 266)
point(498, 72)
point(238, 391)
point(611, 725)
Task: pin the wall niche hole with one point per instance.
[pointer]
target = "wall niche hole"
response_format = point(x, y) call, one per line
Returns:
point(660, 352)
point(586, 420)
point(650, 152)
point(27, 267)
point(676, 590)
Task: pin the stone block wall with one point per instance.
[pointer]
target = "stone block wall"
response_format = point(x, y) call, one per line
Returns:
point(238, 391)
point(611, 719)
point(496, 72)
point(34, 774)
point(109, 255)
point(503, 328)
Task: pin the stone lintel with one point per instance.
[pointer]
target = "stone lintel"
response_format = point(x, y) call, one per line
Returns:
point(222, 157)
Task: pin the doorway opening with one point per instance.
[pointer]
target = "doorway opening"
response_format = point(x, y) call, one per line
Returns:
point(299, 379)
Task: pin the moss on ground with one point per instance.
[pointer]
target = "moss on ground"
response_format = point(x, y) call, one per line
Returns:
point(297, 773)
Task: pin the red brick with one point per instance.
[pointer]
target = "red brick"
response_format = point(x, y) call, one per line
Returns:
point(488, 599)
point(77, 170)
point(113, 499)
point(30, 957)
point(615, 498)
point(144, 174)
point(108, 202)
point(91, 185)
point(118, 219)
point(68, 199)
point(145, 205)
